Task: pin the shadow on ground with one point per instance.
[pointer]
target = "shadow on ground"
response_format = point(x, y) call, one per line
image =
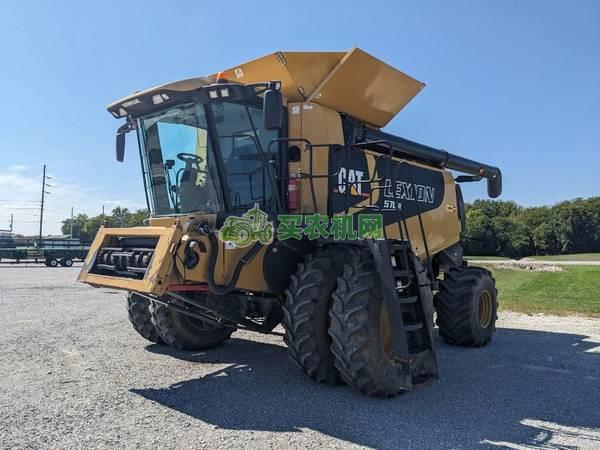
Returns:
point(527, 388)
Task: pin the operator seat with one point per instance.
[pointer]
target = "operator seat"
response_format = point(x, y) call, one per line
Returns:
point(246, 178)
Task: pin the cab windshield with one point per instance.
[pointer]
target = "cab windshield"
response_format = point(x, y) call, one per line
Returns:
point(206, 158)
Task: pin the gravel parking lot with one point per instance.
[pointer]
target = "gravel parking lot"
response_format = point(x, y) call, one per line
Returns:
point(73, 373)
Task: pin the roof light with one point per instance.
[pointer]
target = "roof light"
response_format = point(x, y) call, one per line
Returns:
point(122, 112)
point(213, 94)
point(225, 92)
point(221, 77)
point(157, 99)
point(129, 103)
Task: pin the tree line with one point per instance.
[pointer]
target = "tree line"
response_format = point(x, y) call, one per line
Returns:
point(503, 228)
point(85, 227)
point(493, 228)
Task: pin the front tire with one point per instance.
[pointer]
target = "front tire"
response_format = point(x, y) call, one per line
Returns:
point(466, 306)
point(361, 339)
point(185, 332)
point(139, 315)
point(306, 314)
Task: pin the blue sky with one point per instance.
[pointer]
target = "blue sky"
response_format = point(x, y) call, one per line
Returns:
point(510, 83)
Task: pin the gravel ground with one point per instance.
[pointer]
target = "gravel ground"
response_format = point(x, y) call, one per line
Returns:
point(74, 374)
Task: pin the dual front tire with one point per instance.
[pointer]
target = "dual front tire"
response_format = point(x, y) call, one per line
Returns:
point(336, 322)
point(306, 314)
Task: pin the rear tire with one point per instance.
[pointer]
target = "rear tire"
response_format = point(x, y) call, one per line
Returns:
point(185, 332)
point(306, 313)
point(466, 307)
point(139, 315)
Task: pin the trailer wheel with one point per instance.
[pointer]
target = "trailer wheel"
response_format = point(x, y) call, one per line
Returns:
point(139, 315)
point(306, 313)
point(66, 262)
point(51, 262)
point(466, 307)
point(185, 332)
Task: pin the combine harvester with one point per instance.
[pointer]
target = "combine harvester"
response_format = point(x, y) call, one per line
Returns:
point(298, 134)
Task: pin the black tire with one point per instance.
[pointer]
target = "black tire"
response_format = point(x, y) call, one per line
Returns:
point(139, 315)
point(185, 332)
point(51, 262)
point(66, 262)
point(467, 306)
point(306, 313)
point(356, 333)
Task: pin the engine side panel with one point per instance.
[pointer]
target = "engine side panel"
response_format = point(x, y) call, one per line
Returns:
point(368, 182)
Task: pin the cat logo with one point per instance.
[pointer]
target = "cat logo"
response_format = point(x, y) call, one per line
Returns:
point(353, 179)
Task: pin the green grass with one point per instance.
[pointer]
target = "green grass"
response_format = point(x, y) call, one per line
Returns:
point(573, 257)
point(485, 258)
point(576, 290)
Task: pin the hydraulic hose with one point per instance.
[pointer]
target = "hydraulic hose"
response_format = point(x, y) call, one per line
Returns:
point(212, 262)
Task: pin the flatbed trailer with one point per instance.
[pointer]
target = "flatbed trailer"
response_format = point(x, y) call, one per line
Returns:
point(51, 257)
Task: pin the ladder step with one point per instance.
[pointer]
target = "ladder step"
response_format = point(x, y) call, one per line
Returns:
point(408, 300)
point(420, 354)
point(402, 273)
point(413, 326)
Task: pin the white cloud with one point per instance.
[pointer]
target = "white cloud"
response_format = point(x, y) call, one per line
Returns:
point(20, 195)
point(17, 168)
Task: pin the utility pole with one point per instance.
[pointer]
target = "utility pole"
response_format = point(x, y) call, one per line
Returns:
point(71, 236)
point(102, 209)
point(12, 216)
point(44, 178)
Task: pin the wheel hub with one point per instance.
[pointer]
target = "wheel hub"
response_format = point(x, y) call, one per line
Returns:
point(485, 309)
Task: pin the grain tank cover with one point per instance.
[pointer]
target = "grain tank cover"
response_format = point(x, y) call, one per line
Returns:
point(300, 73)
point(353, 82)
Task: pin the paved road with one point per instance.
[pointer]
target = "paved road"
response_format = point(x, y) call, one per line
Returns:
point(74, 374)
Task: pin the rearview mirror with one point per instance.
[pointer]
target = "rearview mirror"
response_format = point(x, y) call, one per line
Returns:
point(273, 107)
point(494, 185)
point(120, 147)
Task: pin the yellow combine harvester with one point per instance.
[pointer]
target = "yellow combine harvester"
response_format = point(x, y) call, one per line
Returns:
point(276, 198)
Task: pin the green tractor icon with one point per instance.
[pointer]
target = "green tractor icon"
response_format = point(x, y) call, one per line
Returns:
point(251, 227)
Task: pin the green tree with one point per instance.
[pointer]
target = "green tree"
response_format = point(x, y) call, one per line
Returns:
point(86, 228)
point(79, 222)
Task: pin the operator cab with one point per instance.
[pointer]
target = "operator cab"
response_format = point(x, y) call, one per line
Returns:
point(207, 150)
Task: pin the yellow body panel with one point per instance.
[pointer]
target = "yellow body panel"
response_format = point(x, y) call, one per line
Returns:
point(299, 72)
point(366, 88)
point(320, 125)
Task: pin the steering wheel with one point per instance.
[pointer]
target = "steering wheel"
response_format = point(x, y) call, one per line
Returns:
point(189, 158)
